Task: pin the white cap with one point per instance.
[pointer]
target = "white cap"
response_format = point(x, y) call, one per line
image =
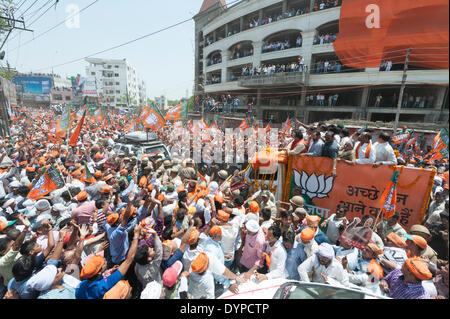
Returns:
point(59, 207)
point(15, 184)
point(152, 291)
point(252, 225)
point(42, 204)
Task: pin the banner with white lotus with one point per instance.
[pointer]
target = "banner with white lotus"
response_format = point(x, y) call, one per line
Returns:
point(359, 187)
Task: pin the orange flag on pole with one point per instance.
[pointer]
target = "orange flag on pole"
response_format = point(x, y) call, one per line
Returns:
point(74, 138)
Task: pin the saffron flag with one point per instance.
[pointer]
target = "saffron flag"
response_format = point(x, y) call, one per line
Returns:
point(268, 127)
point(177, 113)
point(400, 138)
point(440, 145)
point(81, 112)
point(74, 138)
point(286, 126)
point(49, 181)
point(244, 125)
point(143, 114)
point(389, 197)
point(154, 119)
point(132, 127)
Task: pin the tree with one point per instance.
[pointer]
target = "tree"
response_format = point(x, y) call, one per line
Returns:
point(128, 99)
point(150, 102)
point(8, 73)
point(4, 26)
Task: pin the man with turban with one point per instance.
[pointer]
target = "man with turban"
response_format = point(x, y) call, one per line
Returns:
point(406, 283)
point(323, 266)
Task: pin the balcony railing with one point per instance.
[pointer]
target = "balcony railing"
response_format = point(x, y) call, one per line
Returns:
point(254, 23)
point(271, 79)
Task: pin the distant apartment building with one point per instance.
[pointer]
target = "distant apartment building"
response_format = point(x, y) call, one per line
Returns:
point(279, 54)
point(117, 81)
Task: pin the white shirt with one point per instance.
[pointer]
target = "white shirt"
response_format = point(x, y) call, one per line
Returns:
point(334, 270)
point(203, 285)
point(384, 153)
point(362, 154)
point(333, 228)
point(277, 267)
point(229, 235)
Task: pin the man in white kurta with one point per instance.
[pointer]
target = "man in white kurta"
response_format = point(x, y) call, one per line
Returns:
point(365, 151)
point(384, 153)
point(323, 265)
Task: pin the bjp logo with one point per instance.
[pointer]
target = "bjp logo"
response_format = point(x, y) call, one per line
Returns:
point(313, 185)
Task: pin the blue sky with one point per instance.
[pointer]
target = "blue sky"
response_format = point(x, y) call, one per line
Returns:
point(164, 61)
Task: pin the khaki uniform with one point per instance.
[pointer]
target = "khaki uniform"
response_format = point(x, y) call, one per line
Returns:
point(430, 254)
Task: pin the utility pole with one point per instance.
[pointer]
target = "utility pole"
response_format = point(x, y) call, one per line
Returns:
point(11, 24)
point(402, 89)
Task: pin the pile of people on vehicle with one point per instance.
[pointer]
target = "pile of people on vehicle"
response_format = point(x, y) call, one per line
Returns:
point(155, 228)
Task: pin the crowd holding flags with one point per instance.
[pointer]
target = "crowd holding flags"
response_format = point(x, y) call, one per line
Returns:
point(49, 181)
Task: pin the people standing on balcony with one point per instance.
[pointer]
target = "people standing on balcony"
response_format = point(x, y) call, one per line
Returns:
point(298, 42)
point(378, 100)
point(388, 65)
point(235, 104)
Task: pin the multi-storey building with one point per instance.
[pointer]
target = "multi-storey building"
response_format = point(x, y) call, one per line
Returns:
point(117, 81)
point(280, 55)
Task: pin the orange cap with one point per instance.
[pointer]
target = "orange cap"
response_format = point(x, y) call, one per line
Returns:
point(222, 216)
point(419, 241)
point(82, 195)
point(123, 172)
point(193, 237)
point(150, 187)
point(105, 189)
point(161, 197)
point(92, 267)
point(200, 264)
point(98, 156)
point(180, 188)
point(98, 174)
point(215, 231)
point(419, 268)
point(397, 240)
point(312, 220)
point(307, 234)
point(111, 219)
point(254, 207)
point(30, 169)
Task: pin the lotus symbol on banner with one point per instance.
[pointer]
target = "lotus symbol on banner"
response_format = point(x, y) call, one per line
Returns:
point(313, 185)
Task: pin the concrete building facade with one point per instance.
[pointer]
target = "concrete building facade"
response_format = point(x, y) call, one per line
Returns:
point(117, 79)
point(230, 41)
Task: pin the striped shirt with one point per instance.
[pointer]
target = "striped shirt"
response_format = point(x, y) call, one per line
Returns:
point(398, 289)
point(101, 218)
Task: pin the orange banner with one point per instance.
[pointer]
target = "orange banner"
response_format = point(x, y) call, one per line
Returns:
point(372, 31)
point(359, 187)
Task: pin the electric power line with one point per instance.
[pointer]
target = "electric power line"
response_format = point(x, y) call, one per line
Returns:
point(42, 13)
point(117, 46)
point(54, 27)
point(21, 15)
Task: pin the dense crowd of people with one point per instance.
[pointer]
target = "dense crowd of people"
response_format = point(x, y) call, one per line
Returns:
point(122, 227)
point(271, 46)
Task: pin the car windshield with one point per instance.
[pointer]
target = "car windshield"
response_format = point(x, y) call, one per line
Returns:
point(152, 151)
point(306, 291)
